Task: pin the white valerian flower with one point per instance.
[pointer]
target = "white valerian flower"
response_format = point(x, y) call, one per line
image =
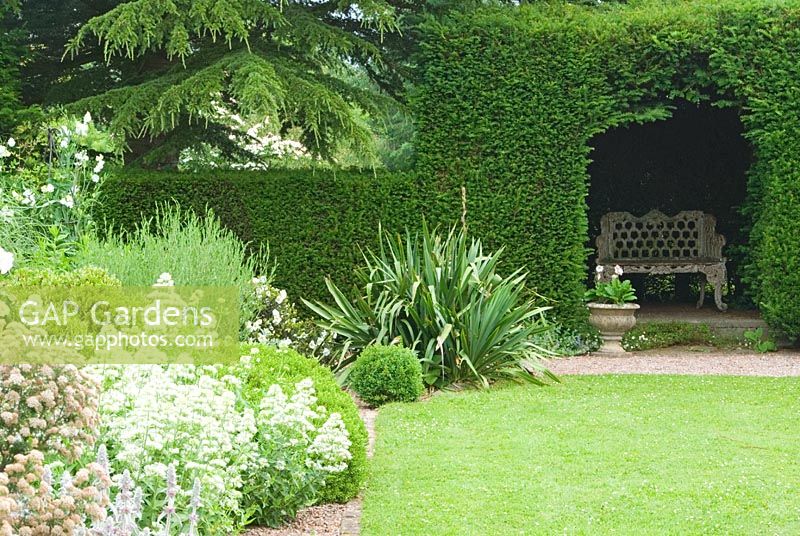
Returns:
point(100, 163)
point(95, 178)
point(68, 201)
point(6, 261)
point(11, 142)
point(618, 270)
point(4, 152)
point(81, 157)
point(48, 188)
point(63, 143)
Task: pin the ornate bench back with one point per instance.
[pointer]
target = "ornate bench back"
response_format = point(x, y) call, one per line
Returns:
point(689, 235)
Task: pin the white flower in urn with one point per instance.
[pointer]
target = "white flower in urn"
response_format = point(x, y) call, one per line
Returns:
point(618, 270)
point(6, 261)
point(598, 272)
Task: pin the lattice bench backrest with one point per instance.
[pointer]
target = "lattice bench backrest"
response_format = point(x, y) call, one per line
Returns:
point(689, 235)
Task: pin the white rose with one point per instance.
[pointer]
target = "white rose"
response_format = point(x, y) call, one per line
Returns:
point(4, 152)
point(6, 261)
point(11, 142)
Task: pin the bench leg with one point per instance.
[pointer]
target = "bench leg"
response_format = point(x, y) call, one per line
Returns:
point(716, 276)
point(703, 281)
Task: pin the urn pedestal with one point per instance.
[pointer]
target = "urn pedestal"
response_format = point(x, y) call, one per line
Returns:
point(612, 321)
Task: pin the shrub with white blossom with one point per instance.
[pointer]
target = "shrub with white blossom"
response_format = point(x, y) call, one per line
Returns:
point(46, 204)
point(277, 323)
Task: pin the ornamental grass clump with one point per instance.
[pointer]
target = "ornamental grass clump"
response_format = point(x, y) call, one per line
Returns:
point(195, 251)
point(384, 374)
point(442, 296)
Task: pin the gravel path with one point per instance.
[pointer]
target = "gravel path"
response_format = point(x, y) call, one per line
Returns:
point(735, 362)
point(327, 519)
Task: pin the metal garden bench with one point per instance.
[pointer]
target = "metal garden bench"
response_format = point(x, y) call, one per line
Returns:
point(659, 244)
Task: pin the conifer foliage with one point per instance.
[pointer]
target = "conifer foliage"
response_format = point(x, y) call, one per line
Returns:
point(275, 60)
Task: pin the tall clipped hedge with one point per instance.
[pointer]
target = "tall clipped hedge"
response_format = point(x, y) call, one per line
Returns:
point(314, 222)
point(510, 98)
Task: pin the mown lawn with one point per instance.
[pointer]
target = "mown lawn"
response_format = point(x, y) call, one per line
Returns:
point(595, 455)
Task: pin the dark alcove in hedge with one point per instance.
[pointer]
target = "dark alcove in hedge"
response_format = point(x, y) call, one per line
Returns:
point(695, 160)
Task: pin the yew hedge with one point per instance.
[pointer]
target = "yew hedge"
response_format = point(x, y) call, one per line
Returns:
point(510, 98)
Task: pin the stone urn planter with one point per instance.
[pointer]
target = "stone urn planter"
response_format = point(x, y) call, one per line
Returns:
point(612, 321)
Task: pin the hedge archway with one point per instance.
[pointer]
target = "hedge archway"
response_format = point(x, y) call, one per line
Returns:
point(510, 97)
point(696, 160)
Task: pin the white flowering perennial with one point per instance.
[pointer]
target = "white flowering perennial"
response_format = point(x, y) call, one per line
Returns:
point(278, 324)
point(297, 418)
point(196, 418)
point(125, 513)
point(158, 414)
